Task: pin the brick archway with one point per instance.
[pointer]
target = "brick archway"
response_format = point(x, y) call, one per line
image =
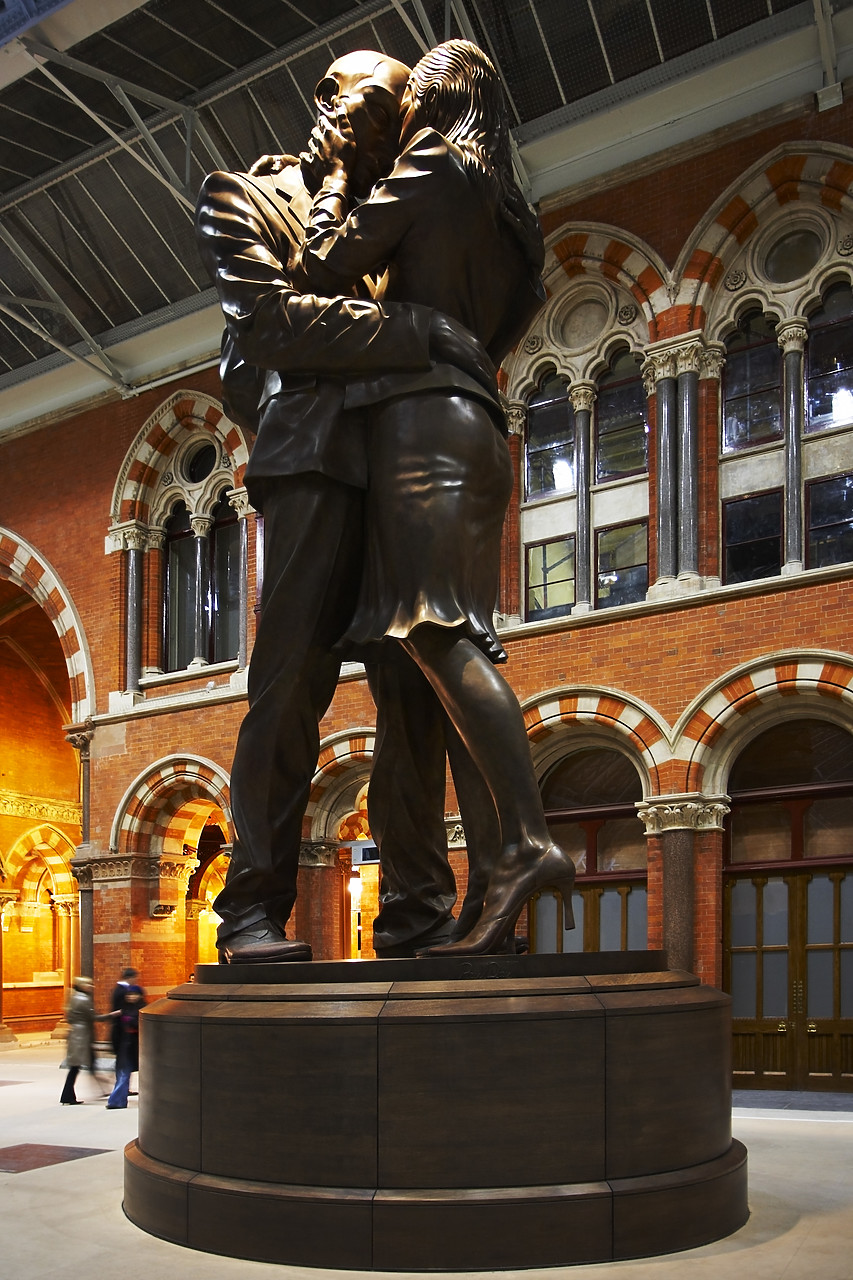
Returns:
point(167, 799)
point(591, 250)
point(338, 755)
point(644, 732)
point(22, 564)
point(712, 729)
point(55, 850)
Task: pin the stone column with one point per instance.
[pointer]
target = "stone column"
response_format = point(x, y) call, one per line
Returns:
point(792, 336)
point(82, 867)
point(659, 370)
point(80, 737)
point(152, 656)
point(65, 909)
point(7, 896)
point(136, 540)
point(201, 527)
point(675, 820)
point(317, 915)
point(511, 600)
point(688, 363)
point(582, 397)
point(193, 910)
point(238, 499)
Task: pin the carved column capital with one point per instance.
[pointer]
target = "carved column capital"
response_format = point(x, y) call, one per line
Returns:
point(136, 537)
point(792, 335)
point(318, 853)
point(80, 737)
point(712, 360)
point(688, 357)
point(194, 908)
point(582, 396)
point(516, 417)
point(156, 538)
point(689, 812)
point(201, 525)
point(657, 366)
point(239, 500)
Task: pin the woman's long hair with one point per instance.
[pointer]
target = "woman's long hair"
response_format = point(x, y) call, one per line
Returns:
point(462, 98)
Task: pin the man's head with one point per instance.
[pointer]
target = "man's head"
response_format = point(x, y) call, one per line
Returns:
point(128, 975)
point(370, 87)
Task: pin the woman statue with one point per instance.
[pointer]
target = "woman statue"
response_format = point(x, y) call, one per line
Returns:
point(454, 233)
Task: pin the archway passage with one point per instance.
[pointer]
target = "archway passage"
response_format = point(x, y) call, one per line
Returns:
point(788, 918)
point(40, 815)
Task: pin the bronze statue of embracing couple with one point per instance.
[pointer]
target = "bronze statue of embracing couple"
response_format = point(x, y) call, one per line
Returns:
point(369, 288)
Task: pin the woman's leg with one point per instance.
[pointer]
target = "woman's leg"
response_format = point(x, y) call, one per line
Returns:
point(486, 714)
point(68, 1097)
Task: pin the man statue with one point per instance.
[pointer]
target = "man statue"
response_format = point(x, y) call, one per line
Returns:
point(286, 357)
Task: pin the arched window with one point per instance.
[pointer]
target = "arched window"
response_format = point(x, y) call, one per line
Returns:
point(752, 384)
point(180, 589)
point(788, 916)
point(550, 440)
point(621, 431)
point(830, 362)
point(202, 585)
point(224, 600)
point(590, 798)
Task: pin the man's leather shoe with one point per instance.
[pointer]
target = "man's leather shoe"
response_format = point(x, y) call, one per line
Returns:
point(261, 943)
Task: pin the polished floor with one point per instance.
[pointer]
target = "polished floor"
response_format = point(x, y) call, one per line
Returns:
point(61, 1180)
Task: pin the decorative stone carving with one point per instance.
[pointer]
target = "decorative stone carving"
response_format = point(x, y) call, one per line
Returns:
point(201, 525)
point(156, 538)
point(792, 335)
point(168, 477)
point(516, 417)
point(317, 853)
point(80, 737)
point(735, 280)
point(691, 812)
point(657, 366)
point(627, 314)
point(582, 396)
point(456, 838)
point(136, 538)
point(533, 344)
point(39, 808)
point(845, 246)
point(688, 358)
point(239, 500)
point(712, 360)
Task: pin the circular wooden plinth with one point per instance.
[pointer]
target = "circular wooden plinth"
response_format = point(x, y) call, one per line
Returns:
point(437, 1124)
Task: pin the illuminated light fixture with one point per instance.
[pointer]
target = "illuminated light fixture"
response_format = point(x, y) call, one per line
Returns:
point(355, 889)
point(563, 477)
point(842, 405)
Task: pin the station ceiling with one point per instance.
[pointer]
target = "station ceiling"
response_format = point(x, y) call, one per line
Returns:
point(106, 135)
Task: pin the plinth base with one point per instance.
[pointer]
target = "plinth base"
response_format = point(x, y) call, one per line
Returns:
point(534, 1119)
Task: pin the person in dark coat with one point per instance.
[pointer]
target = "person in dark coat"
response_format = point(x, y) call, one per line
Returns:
point(127, 1049)
point(79, 1051)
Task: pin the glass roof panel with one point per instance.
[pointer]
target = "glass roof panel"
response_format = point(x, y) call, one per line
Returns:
point(732, 15)
point(682, 25)
point(628, 36)
point(575, 47)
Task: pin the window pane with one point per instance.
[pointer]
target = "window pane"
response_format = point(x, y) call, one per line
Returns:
point(592, 776)
point(181, 603)
point(830, 401)
point(792, 256)
point(623, 571)
point(621, 435)
point(847, 909)
point(775, 996)
point(226, 592)
point(846, 984)
point(753, 536)
point(752, 370)
point(830, 349)
point(610, 920)
point(550, 579)
point(550, 447)
point(828, 829)
point(621, 845)
point(760, 833)
point(775, 913)
point(752, 420)
point(819, 981)
point(744, 987)
point(820, 910)
point(638, 932)
point(830, 521)
point(798, 751)
point(743, 926)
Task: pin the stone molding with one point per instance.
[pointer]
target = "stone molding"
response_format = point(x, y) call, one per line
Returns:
point(239, 500)
point(318, 853)
point(792, 335)
point(582, 396)
point(132, 867)
point(689, 353)
point(516, 417)
point(689, 812)
point(13, 804)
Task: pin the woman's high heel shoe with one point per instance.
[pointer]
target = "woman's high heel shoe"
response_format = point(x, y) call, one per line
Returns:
point(519, 880)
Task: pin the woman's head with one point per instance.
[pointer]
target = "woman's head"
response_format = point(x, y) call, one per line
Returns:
point(456, 90)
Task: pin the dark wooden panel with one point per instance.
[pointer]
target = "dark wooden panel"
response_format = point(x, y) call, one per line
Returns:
point(155, 1197)
point(668, 1213)
point(668, 1087)
point(491, 1103)
point(291, 1102)
point(281, 1224)
point(170, 1083)
point(484, 1231)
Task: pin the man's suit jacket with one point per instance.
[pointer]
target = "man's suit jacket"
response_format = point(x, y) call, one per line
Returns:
point(286, 355)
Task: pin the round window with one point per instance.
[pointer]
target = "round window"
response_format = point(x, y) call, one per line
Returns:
point(199, 464)
point(792, 256)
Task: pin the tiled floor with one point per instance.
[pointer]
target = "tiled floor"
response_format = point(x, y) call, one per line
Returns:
point(63, 1221)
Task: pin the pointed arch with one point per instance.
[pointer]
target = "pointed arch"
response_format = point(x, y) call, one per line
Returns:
point(168, 798)
point(750, 698)
point(341, 755)
point(820, 176)
point(147, 461)
point(55, 850)
point(28, 569)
